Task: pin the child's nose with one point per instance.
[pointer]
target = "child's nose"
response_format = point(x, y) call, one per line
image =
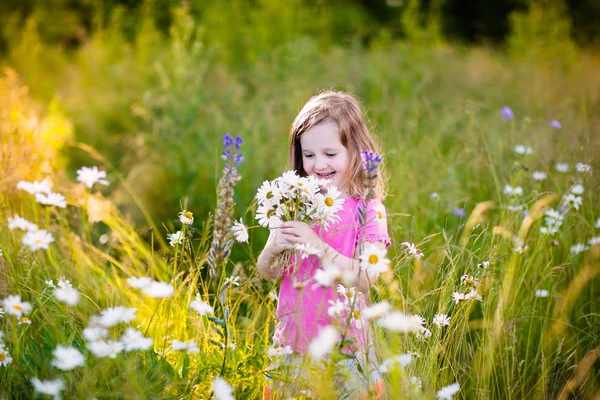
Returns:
point(321, 163)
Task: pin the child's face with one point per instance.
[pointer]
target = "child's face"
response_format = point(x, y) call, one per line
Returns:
point(324, 155)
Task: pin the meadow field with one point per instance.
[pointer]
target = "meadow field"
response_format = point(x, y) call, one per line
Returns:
point(131, 284)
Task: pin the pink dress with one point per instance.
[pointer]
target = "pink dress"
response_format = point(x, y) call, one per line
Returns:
point(303, 312)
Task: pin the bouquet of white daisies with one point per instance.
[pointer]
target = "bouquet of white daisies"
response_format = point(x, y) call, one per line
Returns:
point(294, 198)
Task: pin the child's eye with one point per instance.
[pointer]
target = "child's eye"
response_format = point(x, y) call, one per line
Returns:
point(307, 155)
point(331, 155)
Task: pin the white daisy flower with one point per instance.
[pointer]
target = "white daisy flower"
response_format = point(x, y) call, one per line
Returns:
point(441, 320)
point(67, 295)
point(336, 309)
point(103, 349)
point(447, 392)
point(327, 276)
point(484, 264)
point(232, 281)
point(67, 358)
point(5, 357)
point(240, 231)
point(158, 290)
point(21, 223)
point(397, 321)
point(380, 214)
point(412, 250)
point(583, 167)
point(323, 344)
point(51, 199)
point(578, 248)
point(279, 351)
point(562, 167)
point(267, 217)
point(434, 195)
point(520, 246)
point(457, 297)
point(35, 187)
point(186, 217)
point(273, 295)
point(222, 390)
point(133, 339)
point(418, 320)
point(597, 224)
point(200, 306)
point(469, 280)
point(189, 346)
point(570, 200)
point(541, 293)
point(175, 238)
point(139, 283)
point(513, 191)
point(523, 150)
point(24, 321)
point(267, 194)
point(401, 360)
point(95, 333)
point(306, 250)
point(112, 316)
point(327, 206)
point(14, 306)
point(423, 333)
point(577, 189)
point(373, 260)
point(539, 175)
point(515, 208)
point(594, 241)
point(348, 294)
point(48, 387)
point(90, 176)
point(473, 295)
point(376, 311)
point(416, 382)
point(36, 240)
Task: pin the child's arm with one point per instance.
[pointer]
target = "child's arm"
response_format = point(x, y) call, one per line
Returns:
point(268, 266)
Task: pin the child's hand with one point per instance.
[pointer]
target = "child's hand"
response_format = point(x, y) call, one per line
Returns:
point(280, 242)
point(298, 232)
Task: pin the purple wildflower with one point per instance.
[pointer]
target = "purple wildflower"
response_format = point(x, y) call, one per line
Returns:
point(555, 124)
point(460, 212)
point(238, 158)
point(371, 161)
point(226, 155)
point(507, 113)
point(238, 142)
point(227, 141)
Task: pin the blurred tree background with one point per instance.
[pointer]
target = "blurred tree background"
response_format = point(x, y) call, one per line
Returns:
point(153, 85)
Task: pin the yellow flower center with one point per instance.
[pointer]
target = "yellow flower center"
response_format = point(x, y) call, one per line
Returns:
point(2, 356)
point(356, 314)
point(17, 307)
point(24, 320)
point(38, 241)
point(373, 259)
point(379, 215)
point(328, 201)
point(349, 294)
point(188, 214)
point(470, 280)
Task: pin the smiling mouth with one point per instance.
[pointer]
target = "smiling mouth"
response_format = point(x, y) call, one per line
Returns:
point(326, 176)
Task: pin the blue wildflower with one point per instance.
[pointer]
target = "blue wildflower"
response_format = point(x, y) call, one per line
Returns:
point(460, 212)
point(228, 141)
point(507, 113)
point(238, 142)
point(555, 124)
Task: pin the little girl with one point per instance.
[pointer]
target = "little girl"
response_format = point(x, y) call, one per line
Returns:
point(326, 141)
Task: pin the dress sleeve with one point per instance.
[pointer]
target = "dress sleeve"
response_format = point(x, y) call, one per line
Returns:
point(375, 229)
